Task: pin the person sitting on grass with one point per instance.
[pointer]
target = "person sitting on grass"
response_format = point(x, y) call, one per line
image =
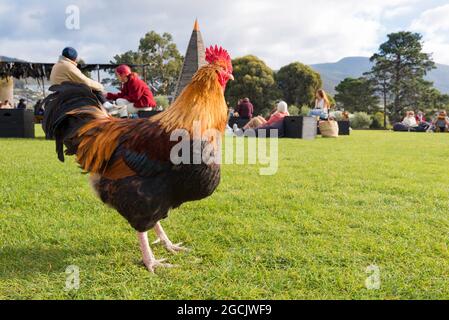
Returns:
point(322, 105)
point(22, 104)
point(244, 109)
point(41, 111)
point(410, 124)
point(37, 107)
point(410, 120)
point(277, 116)
point(420, 117)
point(7, 105)
point(135, 94)
point(441, 122)
point(423, 125)
point(66, 70)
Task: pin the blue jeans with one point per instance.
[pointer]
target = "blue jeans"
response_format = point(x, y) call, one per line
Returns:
point(318, 113)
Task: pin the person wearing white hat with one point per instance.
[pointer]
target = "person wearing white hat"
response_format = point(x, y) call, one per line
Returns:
point(278, 114)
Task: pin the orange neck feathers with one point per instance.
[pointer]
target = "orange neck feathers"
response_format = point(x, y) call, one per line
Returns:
point(202, 101)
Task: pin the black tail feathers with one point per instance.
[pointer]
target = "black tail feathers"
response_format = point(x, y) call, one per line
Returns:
point(57, 124)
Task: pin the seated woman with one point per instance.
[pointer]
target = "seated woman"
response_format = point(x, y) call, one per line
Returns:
point(277, 116)
point(135, 93)
point(423, 125)
point(442, 122)
point(322, 105)
point(410, 120)
point(409, 123)
point(420, 117)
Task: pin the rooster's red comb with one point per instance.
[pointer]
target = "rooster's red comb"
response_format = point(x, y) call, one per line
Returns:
point(215, 54)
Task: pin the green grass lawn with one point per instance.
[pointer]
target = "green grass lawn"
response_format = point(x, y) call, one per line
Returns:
point(334, 208)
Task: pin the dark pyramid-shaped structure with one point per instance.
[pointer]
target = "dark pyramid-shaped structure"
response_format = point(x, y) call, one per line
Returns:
point(194, 59)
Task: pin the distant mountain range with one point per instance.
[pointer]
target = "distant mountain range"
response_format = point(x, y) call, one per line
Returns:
point(333, 73)
point(8, 59)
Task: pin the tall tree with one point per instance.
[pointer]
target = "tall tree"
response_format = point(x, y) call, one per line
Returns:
point(403, 64)
point(255, 80)
point(379, 78)
point(357, 95)
point(85, 72)
point(163, 60)
point(298, 83)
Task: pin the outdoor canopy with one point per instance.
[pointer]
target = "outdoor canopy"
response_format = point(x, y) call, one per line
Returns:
point(40, 71)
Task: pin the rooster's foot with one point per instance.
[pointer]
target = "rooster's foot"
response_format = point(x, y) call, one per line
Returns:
point(148, 257)
point(153, 264)
point(173, 248)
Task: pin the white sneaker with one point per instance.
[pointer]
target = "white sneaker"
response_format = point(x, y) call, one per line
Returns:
point(229, 131)
point(107, 105)
point(123, 113)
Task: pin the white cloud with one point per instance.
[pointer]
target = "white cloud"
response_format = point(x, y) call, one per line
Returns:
point(434, 25)
point(285, 31)
point(4, 8)
point(433, 21)
point(278, 31)
point(31, 50)
point(397, 12)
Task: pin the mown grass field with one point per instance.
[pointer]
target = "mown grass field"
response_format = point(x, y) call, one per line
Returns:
point(334, 208)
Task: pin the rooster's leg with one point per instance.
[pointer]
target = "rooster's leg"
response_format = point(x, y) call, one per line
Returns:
point(148, 257)
point(162, 238)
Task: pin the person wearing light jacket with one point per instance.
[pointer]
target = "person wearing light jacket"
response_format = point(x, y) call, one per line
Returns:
point(66, 70)
point(410, 120)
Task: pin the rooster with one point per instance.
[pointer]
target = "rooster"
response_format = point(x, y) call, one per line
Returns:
point(129, 160)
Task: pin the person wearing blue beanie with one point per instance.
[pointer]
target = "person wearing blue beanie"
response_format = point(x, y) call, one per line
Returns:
point(66, 70)
point(70, 53)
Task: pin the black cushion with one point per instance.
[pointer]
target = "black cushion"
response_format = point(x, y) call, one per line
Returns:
point(279, 125)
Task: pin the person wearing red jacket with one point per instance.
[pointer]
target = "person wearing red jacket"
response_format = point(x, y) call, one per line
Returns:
point(135, 93)
point(420, 117)
point(245, 109)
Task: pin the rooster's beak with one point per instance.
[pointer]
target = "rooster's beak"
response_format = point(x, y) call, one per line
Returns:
point(231, 77)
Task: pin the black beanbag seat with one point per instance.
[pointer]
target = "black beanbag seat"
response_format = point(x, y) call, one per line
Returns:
point(399, 127)
point(279, 126)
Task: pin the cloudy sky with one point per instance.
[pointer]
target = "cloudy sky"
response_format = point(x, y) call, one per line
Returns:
point(278, 31)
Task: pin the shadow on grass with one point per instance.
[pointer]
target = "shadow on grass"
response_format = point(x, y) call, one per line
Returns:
point(27, 262)
point(23, 139)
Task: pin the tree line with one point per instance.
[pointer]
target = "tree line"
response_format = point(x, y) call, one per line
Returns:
point(295, 83)
point(395, 83)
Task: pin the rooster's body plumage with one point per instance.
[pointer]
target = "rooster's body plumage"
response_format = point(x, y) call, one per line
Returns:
point(129, 159)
